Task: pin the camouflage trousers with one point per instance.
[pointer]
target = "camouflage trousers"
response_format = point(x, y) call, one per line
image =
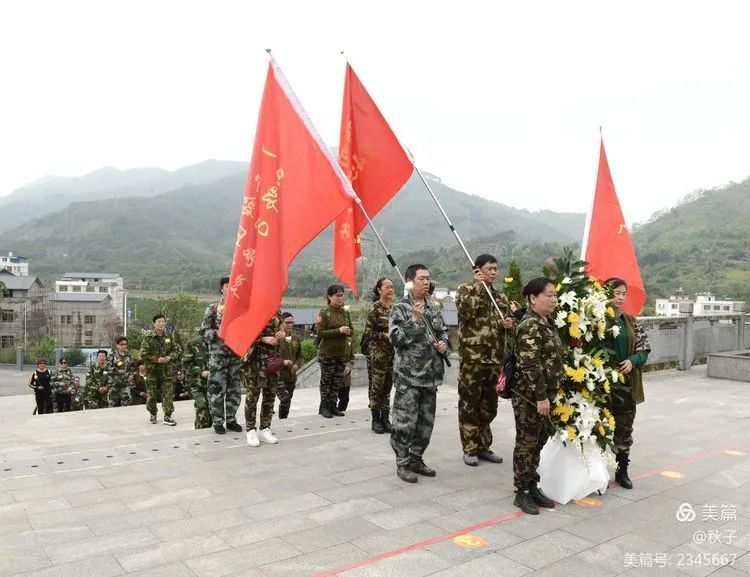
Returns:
point(259, 385)
point(202, 409)
point(285, 392)
point(224, 384)
point(381, 383)
point(413, 418)
point(623, 410)
point(331, 377)
point(531, 436)
point(159, 379)
point(477, 405)
point(118, 394)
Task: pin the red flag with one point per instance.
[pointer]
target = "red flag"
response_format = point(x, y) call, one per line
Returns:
point(609, 250)
point(294, 190)
point(376, 165)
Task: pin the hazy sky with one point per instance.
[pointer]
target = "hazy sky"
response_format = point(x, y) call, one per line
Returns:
point(500, 99)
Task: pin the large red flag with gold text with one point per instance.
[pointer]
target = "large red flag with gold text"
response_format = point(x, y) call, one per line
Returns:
point(609, 249)
point(294, 190)
point(376, 165)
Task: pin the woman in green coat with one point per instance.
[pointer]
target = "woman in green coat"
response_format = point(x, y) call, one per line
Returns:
point(335, 331)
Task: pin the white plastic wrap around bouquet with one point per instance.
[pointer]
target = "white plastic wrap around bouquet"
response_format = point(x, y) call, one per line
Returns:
point(567, 472)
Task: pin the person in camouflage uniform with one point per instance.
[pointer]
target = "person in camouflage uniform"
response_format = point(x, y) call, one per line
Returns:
point(120, 368)
point(631, 348)
point(380, 356)
point(259, 381)
point(224, 368)
point(138, 392)
point(62, 386)
point(481, 350)
point(419, 338)
point(346, 385)
point(196, 366)
point(97, 382)
point(291, 350)
point(159, 350)
point(539, 362)
point(77, 399)
point(335, 330)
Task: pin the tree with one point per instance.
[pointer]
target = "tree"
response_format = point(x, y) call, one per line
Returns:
point(513, 283)
point(184, 314)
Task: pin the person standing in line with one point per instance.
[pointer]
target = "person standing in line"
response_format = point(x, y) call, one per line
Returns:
point(224, 368)
point(62, 386)
point(77, 397)
point(420, 339)
point(41, 383)
point(138, 392)
point(291, 350)
point(159, 350)
point(334, 329)
point(196, 365)
point(380, 357)
point(120, 368)
point(97, 382)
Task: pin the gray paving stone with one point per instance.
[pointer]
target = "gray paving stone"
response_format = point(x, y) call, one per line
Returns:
point(490, 565)
point(383, 540)
point(412, 564)
point(100, 545)
point(105, 566)
point(107, 509)
point(397, 517)
point(137, 490)
point(286, 506)
point(135, 519)
point(373, 488)
point(254, 531)
point(545, 549)
point(174, 569)
point(241, 558)
point(40, 538)
point(474, 515)
point(13, 562)
point(572, 566)
point(158, 499)
point(63, 487)
point(614, 555)
point(605, 527)
point(223, 502)
point(312, 563)
point(199, 525)
point(347, 509)
point(170, 552)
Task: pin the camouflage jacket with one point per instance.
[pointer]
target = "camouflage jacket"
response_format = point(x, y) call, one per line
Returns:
point(195, 362)
point(538, 356)
point(76, 399)
point(260, 351)
point(291, 350)
point(62, 381)
point(376, 330)
point(481, 336)
point(96, 377)
point(155, 346)
point(120, 367)
point(637, 348)
point(416, 361)
point(211, 322)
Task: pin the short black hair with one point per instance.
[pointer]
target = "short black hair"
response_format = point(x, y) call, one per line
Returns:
point(222, 281)
point(139, 363)
point(411, 271)
point(536, 286)
point(287, 315)
point(483, 259)
point(332, 290)
point(121, 339)
point(157, 317)
point(615, 282)
point(100, 351)
point(432, 288)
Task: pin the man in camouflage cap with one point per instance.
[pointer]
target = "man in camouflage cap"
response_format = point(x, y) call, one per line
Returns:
point(419, 338)
point(481, 349)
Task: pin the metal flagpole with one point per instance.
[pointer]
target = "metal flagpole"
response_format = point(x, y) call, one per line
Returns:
point(455, 233)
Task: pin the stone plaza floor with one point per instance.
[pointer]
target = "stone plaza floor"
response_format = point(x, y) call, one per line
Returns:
point(104, 493)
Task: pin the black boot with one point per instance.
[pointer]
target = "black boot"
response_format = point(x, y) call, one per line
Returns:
point(621, 475)
point(525, 502)
point(384, 419)
point(284, 412)
point(325, 410)
point(334, 410)
point(541, 499)
point(377, 425)
point(320, 408)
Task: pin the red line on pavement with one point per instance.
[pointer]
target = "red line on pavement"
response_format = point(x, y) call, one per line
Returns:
point(420, 545)
point(440, 538)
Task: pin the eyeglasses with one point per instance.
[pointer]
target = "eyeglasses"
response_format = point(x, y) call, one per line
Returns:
point(63, 362)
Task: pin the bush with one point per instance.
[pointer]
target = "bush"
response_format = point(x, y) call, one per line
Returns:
point(309, 351)
point(75, 356)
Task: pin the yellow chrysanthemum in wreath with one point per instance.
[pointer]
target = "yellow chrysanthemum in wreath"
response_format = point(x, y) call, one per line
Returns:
point(576, 375)
point(606, 386)
point(564, 412)
point(574, 331)
point(572, 432)
point(601, 431)
point(610, 312)
point(573, 318)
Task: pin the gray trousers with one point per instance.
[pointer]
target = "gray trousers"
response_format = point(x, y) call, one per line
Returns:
point(413, 418)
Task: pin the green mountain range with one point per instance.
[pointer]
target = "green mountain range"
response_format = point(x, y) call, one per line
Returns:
point(183, 239)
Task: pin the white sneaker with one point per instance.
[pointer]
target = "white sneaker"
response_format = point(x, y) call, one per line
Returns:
point(266, 436)
point(252, 438)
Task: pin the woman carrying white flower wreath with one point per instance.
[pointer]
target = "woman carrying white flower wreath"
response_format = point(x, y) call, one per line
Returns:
point(631, 349)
